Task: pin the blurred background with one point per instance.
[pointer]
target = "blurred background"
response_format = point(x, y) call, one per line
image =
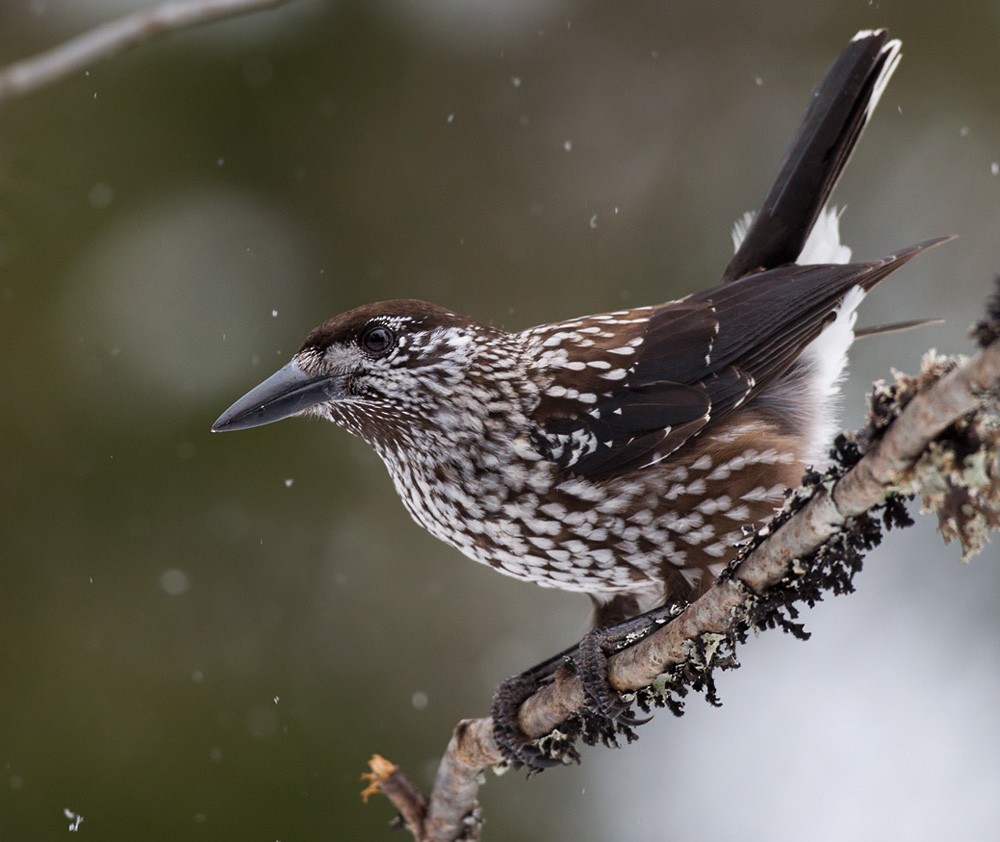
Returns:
point(206, 637)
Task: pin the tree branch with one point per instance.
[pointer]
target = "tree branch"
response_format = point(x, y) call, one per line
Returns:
point(933, 434)
point(115, 37)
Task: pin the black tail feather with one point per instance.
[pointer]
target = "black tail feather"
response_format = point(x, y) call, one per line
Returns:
point(838, 111)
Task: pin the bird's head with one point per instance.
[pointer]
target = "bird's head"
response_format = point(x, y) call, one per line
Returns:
point(374, 370)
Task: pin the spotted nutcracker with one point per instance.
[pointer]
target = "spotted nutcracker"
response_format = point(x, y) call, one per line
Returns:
point(620, 454)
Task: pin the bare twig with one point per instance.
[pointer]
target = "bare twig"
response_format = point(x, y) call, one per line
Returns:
point(115, 37)
point(386, 777)
point(886, 469)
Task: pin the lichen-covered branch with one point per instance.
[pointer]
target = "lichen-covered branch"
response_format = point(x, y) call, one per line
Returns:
point(115, 37)
point(935, 435)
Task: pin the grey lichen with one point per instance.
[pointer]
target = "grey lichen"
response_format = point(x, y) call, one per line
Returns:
point(958, 476)
point(961, 485)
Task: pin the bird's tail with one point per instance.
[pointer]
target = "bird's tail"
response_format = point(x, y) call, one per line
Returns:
point(838, 111)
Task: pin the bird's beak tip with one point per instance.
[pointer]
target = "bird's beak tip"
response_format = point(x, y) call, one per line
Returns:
point(224, 423)
point(289, 391)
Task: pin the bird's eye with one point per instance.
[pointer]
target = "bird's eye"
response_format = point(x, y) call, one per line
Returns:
point(376, 339)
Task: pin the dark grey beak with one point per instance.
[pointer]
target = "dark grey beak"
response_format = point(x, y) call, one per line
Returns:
point(286, 392)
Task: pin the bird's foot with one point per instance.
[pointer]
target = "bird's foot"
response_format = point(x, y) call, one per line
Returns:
point(606, 713)
point(591, 664)
point(517, 747)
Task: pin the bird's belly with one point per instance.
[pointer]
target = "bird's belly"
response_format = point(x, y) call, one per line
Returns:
point(620, 535)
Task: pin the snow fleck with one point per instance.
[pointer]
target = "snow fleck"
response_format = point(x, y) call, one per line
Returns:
point(964, 131)
point(995, 168)
point(289, 482)
point(100, 195)
point(75, 819)
point(451, 118)
point(274, 314)
point(419, 700)
point(174, 581)
point(568, 145)
point(593, 221)
point(515, 81)
point(758, 81)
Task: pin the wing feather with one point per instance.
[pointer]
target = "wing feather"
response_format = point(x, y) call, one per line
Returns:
point(696, 360)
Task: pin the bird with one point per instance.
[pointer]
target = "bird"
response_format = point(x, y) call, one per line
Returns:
point(621, 454)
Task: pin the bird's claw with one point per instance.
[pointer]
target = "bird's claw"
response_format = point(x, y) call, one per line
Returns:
point(517, 747)
point(591, 666)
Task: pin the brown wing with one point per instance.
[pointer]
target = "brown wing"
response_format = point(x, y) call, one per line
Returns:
point(692, 362)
